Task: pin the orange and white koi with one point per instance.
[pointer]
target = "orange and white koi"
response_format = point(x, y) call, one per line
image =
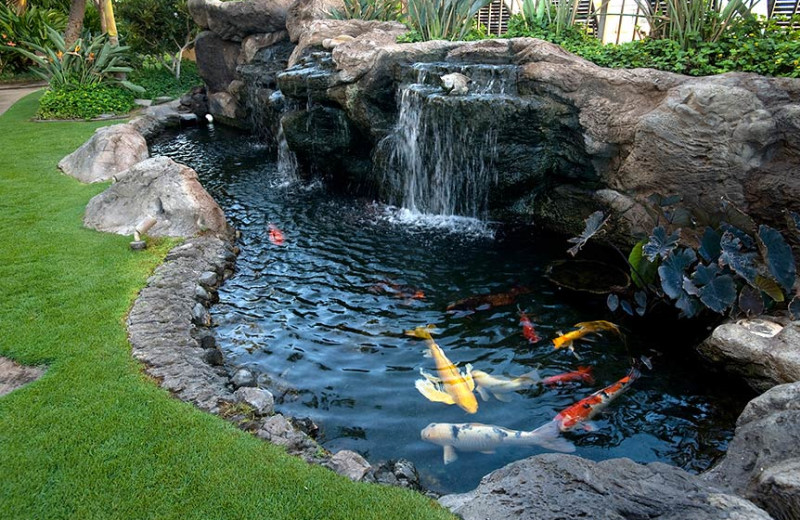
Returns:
point(451, 387)
point(584, 328)
point(276, 235)
point(485, 438)
point(498, 386)
point(527, 328)
point(583, 374)
point(581, 412)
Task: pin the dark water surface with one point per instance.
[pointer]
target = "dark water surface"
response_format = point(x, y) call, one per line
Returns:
point(308, 318)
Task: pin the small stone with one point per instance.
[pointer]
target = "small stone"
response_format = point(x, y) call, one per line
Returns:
point(138, 245)
point(201, 294)
point(208, 341)
point(243, 377)
point(200, 315)
point(188, 118)
point(350, 464)
point(208, 279)
point(213, 357)
point(162, 99)
point(456, 84)
point(143, 102)
point(305, 425)
point(260, 399)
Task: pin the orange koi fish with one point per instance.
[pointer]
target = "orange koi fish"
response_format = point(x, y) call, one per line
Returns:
point(584, 328)
point(482, 302)
point(527, 328)
point(451, 387)
point(275, 235)
point(583, 374)
point(581, 412)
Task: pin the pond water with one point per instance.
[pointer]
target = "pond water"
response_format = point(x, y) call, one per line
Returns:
point(318, 320)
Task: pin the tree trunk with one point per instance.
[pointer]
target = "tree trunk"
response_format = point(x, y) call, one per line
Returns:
point(99, 5)
point(77, 10)
point(111, 23)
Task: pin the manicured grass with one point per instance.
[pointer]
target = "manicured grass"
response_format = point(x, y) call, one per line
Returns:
point(95, 438)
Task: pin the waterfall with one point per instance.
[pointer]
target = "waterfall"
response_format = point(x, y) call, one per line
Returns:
point(439, 157)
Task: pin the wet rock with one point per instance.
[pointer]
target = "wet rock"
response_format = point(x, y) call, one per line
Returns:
point(160, 188)
point(243, 377)
point(216, 61)
point(226, 108)
point(762, 459)
point(213, 357)
point(208, 279)
point(261, 400)
point(106, 155)
point(305, 425)
point(236, 20)
point(399, 472)
point(764, 354)
point(557, 486)
point(200, 315)
point(278, 430)
point(455, 84)
point(208, 341)
point(253, 44)
point(349, 464)
point(201, 294)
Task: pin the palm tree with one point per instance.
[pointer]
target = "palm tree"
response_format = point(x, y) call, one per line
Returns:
point(77, 10)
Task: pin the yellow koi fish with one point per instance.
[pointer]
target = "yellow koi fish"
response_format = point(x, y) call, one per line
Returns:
point(584, 328)
point(451, 387)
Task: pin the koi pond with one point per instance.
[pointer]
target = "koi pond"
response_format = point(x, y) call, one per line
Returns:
point(321, 319)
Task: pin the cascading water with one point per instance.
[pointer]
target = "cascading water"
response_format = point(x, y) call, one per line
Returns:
point(439, 158)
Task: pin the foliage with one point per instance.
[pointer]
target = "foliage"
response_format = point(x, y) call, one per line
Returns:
point(728, 266)
point(552, 17)
point(443, 19)
point(157, 80)
point(29, 26)
point(161, 28)
point(95, 437)
point(84, 102)
point(690, 23)
point(88, 62)
point(592, 225)
point(382, 10)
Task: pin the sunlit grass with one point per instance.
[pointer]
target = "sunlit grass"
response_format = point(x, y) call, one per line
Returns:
point(94, 437)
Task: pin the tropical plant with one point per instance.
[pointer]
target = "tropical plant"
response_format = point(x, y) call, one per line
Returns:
point(731, 265)
point(382, 10)
point(93, 61)
point(84, 102)
point(443, 19)
point(29, 25)
point(695, 21)
point(159, 28)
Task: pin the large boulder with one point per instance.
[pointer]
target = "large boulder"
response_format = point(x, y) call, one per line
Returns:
point(111, 150)
point(762, 351)
point(236, 20)
point(160, 188)
point(302, 12)
point(318, 31)
point(557, 486)
point(763, 459)
point(216, 60)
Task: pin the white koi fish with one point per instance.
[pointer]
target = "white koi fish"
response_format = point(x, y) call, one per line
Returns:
point(485, 438)
point(499, 386)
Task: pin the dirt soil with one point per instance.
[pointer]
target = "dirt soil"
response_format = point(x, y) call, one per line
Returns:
point(13, 375)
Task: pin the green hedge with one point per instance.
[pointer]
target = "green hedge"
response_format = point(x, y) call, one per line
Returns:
point(85, 102)
point(158, 81)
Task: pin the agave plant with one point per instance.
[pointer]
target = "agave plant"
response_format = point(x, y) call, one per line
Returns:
point(691, 21)
point(90, 61)
point(556, 16)
point(443, 19)
point(382, 10)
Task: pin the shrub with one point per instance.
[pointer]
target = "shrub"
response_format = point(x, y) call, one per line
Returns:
point(84, 102)
point(382, 10)
point(157, 80)
point(443, 19)
point(90, 61)
point(29, 26)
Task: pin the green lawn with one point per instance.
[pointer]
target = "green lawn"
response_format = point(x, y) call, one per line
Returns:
point(94, 437)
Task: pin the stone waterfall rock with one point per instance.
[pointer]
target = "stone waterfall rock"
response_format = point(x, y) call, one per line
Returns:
point(763, 459)
point(161, 188)
point(318, 31)
point(109, 152)
point(763, 352)
point(302, 12)
point(236, 20)
point(557, 486)
point(216, 60)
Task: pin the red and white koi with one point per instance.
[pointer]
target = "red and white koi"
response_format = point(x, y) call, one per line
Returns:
point(276, 235)
point(528, 332)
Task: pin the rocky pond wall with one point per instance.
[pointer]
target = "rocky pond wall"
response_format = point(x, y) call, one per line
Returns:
point(617, 137)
